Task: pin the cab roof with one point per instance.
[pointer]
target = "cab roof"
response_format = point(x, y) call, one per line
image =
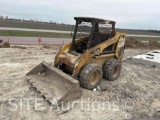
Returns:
point(91, 19)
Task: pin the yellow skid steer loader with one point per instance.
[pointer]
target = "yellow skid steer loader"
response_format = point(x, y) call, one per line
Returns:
point(96, 51)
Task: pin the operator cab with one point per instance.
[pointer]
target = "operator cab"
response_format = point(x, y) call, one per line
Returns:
point(89, 32)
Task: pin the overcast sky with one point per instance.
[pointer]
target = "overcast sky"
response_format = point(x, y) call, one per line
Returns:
point(136, 14)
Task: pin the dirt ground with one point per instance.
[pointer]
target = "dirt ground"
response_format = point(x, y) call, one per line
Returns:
point(135, 95)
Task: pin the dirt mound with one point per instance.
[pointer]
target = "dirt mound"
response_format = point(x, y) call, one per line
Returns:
point(52, 47)
point(46, 46)
point(5, 45)
point(133, 43)
point(20, 47)
point(153, 44)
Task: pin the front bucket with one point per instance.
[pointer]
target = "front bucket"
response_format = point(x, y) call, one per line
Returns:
point(54, 84)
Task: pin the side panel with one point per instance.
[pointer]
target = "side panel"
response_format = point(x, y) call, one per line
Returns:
point(102, 60)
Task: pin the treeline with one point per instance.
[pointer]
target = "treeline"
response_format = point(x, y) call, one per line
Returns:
point(30, 20)
point(154, 31)
point(138, 30)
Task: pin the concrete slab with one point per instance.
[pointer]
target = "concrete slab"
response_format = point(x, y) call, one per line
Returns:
point(150, 59)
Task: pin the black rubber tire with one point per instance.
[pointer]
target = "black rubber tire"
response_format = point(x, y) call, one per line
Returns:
point(109, 69)
point(86, 72)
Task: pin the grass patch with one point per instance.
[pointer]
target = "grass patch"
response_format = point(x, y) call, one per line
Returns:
point(33, 34)
point(34, 25)
point(56, 35)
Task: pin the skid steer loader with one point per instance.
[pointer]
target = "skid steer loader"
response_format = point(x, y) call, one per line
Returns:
point(96, 51)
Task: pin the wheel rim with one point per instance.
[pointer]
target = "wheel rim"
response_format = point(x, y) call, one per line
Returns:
point(115, 71)
point(94, 78)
